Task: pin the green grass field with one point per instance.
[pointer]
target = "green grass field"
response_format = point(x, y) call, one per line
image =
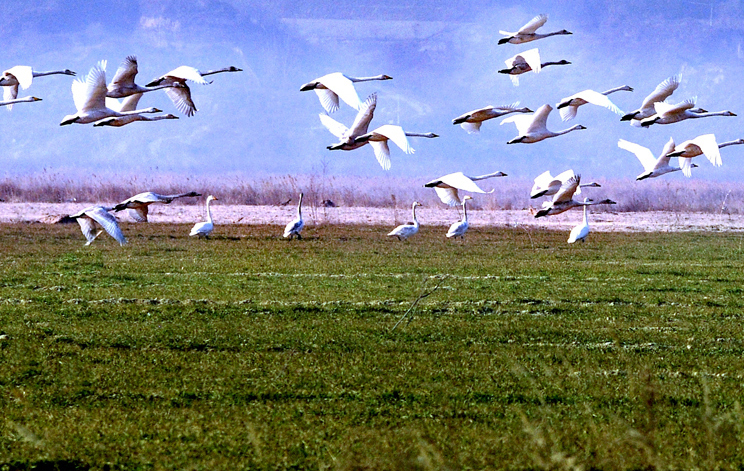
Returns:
point(247, 351)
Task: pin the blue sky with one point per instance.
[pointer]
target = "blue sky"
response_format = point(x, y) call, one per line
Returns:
point(443, 58)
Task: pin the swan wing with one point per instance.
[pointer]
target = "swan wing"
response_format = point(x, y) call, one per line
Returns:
point(568, 112)
point(709, 146)
point(462, 182)
point(363, 117)
point(126, 72)
point(23, 73)
point(449, 196)
point(181, 97)
point(185, 72)
point(666, 109)
point(139, 213)
point(88, 227)
point(539, 120)
point(522, 121)
point(567, 190)
point(542, 182)
point(293, 227)
point(108, 222)
point(10, 92)
point(339, 84)
point(382, 153)
point(129, 103)
point(643, 154)
point(599, 99)
point(685, 163)
point(579, 232)
point(397, 135)
point(113, 104)
point(90, 94)
point(664, 158)
point(533, 25)
point(328, 99)
point(530, 57)
point(662, 91)
point(336, 128)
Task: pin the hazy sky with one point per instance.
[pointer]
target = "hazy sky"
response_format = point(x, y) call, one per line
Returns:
point(443, 56)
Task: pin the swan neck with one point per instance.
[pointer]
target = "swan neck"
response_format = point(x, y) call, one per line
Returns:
point(299, 207)
point(616, 89)
point(365, 79)
point(51, 72)
point(483, 177)
point(209, 213)
point(464, 211)
point(730, 143)
point(566, 131)
point(413, 212)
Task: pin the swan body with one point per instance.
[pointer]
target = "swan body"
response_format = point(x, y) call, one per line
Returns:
point(379, 138)
point(90, 99)
point(128, 104)
point(459, 228)
point(332, 86)
point(447, 186)
point(404, 231)
point(662, 91)
point(26, 99)
point(295, 226)
point(360, 126)
point(568, 106)
point(668, 114)
point(90, 218)
point(528, 32)
point(533, 128)
point(472, 120)
point(582, 230)
point(524, 62)
point(705, 144)
point(23, 75)
point(137, 205)
point(653, 166)
point(175, 86)
point(563, 199)
point(203, 229)
point(547, 185)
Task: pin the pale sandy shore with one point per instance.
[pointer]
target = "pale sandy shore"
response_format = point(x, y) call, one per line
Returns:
point(436, 216)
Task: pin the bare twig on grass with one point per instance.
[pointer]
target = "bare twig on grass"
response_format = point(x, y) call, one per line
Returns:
point(424, 294)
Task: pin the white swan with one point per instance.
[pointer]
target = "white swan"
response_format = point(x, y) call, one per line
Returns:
point(26, 99)
point(568, 106)
point(667, 113)
point(122, 85)
point(459, 228)
point(528, 33)
point(128, 104)
point(332, 86)
point(360, 126)
point(90, 217)
point(563, 200)
point(662, 91)
point(547, 185)
point(90, 99)
point(447, 186)
point(653, 167)
point(533, 128)
point(472, 120)
point(295, 226)
point(203, 229)
point(705, 145)
point(23, 75)
point(379, 137)
point(138, 205)
point(404, 231)
point(582, 230)
point(177, 89)
point(524, 62)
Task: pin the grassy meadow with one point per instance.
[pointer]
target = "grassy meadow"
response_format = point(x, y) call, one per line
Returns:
point(247, 351)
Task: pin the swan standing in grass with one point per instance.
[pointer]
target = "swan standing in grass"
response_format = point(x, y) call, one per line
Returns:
point(524, 62)
point(203, 229)
point(662, 91)
point(122, 85)
point(447, 186)
point(346, 135)
point(379, 137)
point(177, 89)
point(528, 32)
point(90, 99)
point(404, 231)
point(563, 200)
point(459, 228)
point(667, 113)
point(472, 120)
point(26, 99)
point(705, 145)
point(547, 185)
point(568, 106)
point(533, 128)
point(653, 167)
point(582, 230)
point(332, 86)
point(90, 218)
point(23, 75)
point(138, 205)
point(295, 226)
point(128, 104)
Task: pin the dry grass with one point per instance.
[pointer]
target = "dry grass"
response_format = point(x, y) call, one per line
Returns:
point(678, 195)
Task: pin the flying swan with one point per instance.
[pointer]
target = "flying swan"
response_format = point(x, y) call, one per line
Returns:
point(94, 216)
point(178, 90)
point(547, 185)
point(524, 62)
point(138, 205)
point(662, 91)
point(528, 32)
point(568, 106)
point(472, 120)
point(563, 200)
point(128, 104)
point(379, 137)
point(447, 186)
point(652, 166)
point(23, 75)
point(533, 128)
point(332, 86)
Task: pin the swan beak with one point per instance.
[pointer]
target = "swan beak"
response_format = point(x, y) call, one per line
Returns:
point(158, 110)
point(733, 114)
point(33, 98)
